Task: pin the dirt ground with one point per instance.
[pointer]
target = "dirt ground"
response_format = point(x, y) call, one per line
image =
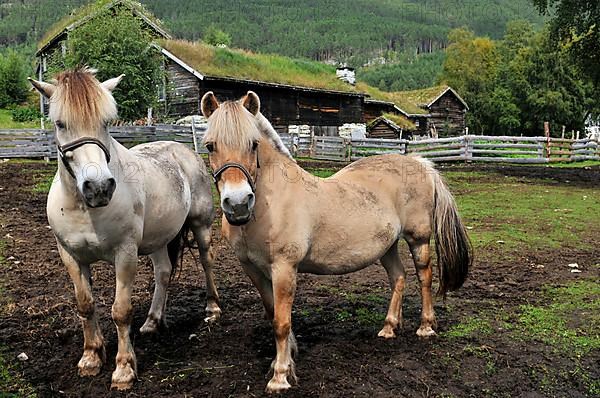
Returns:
point(340, 354)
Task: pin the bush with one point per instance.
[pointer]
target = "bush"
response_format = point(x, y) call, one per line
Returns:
point(13, 79)
point(25, 114)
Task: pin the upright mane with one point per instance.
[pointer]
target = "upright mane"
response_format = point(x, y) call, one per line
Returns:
point(232, 126)
point(80, 101)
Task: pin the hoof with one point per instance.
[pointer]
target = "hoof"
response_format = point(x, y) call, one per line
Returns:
point(425, 332)
point(90, 364)
point(123, 377)
point(150, 326)
point(213, 314)
point(276, 387)
point(387, 333)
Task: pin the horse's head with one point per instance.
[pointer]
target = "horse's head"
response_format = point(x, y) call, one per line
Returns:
point(232, 141)
point(81, 107)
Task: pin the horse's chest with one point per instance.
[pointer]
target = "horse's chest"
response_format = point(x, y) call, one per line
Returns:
point(86, 237)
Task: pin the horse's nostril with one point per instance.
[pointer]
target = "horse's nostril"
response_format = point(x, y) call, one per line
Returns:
point(250, 200)
point(227, 205)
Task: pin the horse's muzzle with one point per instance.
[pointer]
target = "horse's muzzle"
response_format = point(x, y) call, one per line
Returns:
point(98, 193)
point(238, 208)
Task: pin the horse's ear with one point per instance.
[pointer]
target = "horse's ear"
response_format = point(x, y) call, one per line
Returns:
point(251, 102)
point(46, 89)
point(111, 84)
point(209, 104)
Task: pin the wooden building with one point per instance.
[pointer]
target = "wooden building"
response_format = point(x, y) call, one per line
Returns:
point(53, 47)
point(390, 127)
point(434, 111)
point(282, 104)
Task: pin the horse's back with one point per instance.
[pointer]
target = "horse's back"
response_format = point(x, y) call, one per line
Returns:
point(407, 181)
point(187, 176)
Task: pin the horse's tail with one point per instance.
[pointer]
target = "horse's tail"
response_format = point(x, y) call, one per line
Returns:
point(176, 247)
point(452, 244)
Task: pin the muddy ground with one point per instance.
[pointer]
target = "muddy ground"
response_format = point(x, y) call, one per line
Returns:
point(339, 352)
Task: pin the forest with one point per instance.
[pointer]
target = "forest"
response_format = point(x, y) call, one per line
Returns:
point(355, 31)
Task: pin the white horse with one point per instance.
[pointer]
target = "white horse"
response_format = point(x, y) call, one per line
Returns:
point(112, 203)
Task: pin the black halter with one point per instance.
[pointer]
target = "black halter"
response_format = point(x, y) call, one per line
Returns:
point(71, 146)
point(232, 165)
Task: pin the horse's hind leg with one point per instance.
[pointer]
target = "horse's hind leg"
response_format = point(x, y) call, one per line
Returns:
point(94, 353)
point(396, 274)
point(162, 274)
point(202, 234)
point(422, 259)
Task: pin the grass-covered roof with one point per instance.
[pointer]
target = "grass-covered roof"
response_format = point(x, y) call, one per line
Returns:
point(241, 64)
point(90, 10)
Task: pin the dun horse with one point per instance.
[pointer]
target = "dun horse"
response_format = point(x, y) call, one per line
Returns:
point(111, 203)
point(281, 220)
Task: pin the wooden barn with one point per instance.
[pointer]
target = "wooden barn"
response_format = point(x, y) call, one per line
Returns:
point(53, 46)
point(195, 68)
point(390, 126)
point(435, 111)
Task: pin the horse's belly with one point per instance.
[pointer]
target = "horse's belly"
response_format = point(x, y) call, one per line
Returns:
point(342, 255)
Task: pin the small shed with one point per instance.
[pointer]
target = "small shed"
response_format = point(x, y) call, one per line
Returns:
point(390, 126)
point(435, 111)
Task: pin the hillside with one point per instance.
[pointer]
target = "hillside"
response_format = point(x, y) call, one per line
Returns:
point(340, 30)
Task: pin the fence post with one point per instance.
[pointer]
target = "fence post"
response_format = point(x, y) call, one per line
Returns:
point(468, 153)
point(194, 139)
point(547, 134)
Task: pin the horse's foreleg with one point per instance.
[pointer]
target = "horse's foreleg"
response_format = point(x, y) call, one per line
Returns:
point(396, 274)
point(203, 237)
point(94, 353)
point(422, 259)
point(162, 274)
point(284, 288)
point(264, 287)
point(122, 314)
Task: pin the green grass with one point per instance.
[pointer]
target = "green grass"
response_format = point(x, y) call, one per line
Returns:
point(473, 326)
point(242, 64)
point(570, 321)
point(525, 215)
point(6, 122)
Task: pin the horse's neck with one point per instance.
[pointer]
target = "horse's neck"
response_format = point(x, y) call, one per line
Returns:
point(276, 167)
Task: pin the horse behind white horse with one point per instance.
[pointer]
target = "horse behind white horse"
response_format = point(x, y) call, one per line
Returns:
point(281, 220)
point(112, 203)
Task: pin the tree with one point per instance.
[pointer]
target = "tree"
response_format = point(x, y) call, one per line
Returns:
point(116, 43)
point(13, 79)
point(576, 24)
point(471, 67)
point(216, 37)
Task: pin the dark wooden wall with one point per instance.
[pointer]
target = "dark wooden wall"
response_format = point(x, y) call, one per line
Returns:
point(448, 116)
point(281, 105)
point(183, 91)
point(382, 130)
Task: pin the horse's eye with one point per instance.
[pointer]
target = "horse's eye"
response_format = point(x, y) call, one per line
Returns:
point(254, 146)
point(60, 124)
point(210, 146)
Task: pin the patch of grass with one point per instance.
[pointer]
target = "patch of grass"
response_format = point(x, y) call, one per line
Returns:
point(43, 183)
point(323, 173)
point(369, 317)
point(242, 64)
point(585, 163)
point(525, 215)
point(570, 322)
point(473, 326)
point(6, 122)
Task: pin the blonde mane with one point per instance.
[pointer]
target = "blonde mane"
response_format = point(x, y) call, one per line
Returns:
point(80, 101)
point(232, 126)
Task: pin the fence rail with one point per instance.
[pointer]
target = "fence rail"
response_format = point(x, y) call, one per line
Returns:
point(34, 143)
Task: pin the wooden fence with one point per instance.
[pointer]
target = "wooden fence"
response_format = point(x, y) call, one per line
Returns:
point(34, 143)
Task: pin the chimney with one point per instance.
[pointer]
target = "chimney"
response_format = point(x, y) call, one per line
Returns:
point(346, 74)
